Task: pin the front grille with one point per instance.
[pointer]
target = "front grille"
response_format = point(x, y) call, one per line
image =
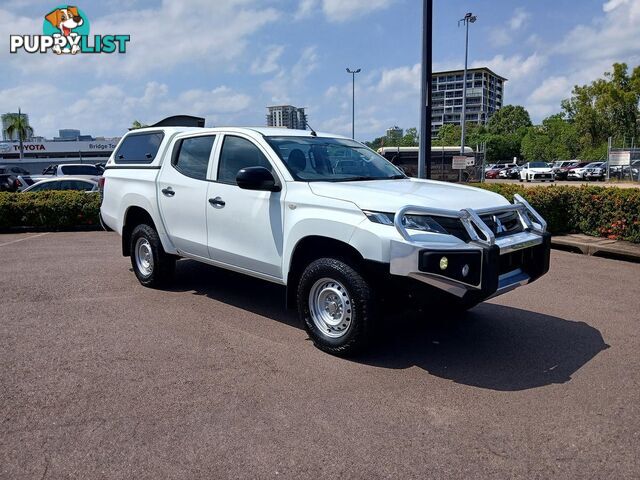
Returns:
point(502, 224)
point(454, 227)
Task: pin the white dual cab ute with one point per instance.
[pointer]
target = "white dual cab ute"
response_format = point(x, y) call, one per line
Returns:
point(344, 229)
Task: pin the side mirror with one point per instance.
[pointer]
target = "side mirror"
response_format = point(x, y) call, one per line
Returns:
point(257, 178)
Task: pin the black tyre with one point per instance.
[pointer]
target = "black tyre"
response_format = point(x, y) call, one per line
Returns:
point(151, 264)
point(336, 306)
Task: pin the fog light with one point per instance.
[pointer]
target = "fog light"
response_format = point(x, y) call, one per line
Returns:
point(444, 263)
point(465, 270)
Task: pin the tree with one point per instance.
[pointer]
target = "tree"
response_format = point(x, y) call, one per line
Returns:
point(509, 120)
point(606, 107)
point(18, 125)
point(410, 138)
point(556, 139)
point(136, 124)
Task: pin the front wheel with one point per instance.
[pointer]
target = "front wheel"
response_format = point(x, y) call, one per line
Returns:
point(151, 264)
point(336, 306)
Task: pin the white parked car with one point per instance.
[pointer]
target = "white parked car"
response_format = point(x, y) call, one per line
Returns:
point(64, 183)
point(580, 173)
point(340, 226)
point(536, 171)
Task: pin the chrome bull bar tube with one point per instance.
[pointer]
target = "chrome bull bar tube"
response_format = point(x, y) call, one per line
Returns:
point(471, 221)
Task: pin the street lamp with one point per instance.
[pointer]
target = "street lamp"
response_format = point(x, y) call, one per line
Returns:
point(353, 101)
point(468, 18)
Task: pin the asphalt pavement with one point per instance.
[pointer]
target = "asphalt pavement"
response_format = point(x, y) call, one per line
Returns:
point(214, 378)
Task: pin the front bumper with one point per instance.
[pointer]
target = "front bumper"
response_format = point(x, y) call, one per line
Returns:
point(485, 266)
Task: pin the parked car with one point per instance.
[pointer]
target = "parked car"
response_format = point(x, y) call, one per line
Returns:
point(506, 169)
point(536, 171)
point(561, 172)
point(579, 172)
point(493, 173)
point(9, 177)
point(596, 172)
point(78, 170)
point(339, 225)
point(514, 173)
point(493, 169)
point(66, 183)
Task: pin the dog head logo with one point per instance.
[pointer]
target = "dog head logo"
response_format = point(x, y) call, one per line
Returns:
point(66, 21)
point(65, 29)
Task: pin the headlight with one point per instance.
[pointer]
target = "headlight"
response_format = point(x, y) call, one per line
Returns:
point(414, 222)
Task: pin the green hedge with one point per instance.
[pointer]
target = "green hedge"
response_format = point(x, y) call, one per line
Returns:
point(598, 211)
point(51, 210)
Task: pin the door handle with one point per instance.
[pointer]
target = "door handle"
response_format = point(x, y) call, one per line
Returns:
point(217, 202)
point(168, 192)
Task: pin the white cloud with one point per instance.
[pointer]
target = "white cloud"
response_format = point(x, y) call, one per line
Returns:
point(290, 81)
point(500, 36)
point(109, 109)
point(515, 67)
point(305, 8)
point(268, 61)
point(343, 10)
point(613, 4)
point(519, 19)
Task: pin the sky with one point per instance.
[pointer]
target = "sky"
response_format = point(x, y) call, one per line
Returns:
point(226, 60)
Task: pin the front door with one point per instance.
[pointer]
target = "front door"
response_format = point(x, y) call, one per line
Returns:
point(245, 227)
point(182, 194)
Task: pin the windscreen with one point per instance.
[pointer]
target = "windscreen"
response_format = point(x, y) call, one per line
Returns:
point(314, 159)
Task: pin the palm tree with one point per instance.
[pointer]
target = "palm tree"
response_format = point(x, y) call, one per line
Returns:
point(19, 126)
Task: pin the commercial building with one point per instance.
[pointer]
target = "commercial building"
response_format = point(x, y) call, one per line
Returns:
point(394, 132)
point(286, 116)
point(6, 117)
point(485, 93)
point(50, 150)
point(71, 135)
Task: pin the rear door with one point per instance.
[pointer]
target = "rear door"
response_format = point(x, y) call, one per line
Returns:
point(182, 193)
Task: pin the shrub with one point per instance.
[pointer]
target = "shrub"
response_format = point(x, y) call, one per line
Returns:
point(51, 210)
point(598, 211)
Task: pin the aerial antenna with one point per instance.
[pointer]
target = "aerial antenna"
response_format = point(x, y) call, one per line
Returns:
point(313, 132)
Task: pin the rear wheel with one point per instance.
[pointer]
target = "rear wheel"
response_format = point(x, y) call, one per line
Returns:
point(151, 264)
point(336, 306)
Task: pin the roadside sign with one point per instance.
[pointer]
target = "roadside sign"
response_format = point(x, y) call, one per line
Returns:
point(471, 161)
point(459, 162)
point(620, 158)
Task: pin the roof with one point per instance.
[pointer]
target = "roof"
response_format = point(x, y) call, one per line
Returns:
point(444, 72)
point(265, 131)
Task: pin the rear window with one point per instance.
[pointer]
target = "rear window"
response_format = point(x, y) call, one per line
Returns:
point(80, 170)
point(139, 148)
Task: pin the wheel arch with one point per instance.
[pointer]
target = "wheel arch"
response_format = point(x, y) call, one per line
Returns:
point(310, 248)
point(134, 216)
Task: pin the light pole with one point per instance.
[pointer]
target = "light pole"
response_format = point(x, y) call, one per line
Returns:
point(424, 154)
point(468, 18)
point(353, 101)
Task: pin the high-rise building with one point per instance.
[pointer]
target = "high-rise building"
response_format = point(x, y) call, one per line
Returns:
point(485, 92)
point(394, 132)
point(5, 124)
point(286, 116)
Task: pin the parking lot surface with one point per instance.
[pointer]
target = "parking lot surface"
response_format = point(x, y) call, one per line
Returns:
point(102, 378)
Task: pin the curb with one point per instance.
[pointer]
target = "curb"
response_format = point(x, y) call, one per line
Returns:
point(597, 247)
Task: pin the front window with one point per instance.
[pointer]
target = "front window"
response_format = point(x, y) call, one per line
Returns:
point(538, 165)
point(324, 159)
